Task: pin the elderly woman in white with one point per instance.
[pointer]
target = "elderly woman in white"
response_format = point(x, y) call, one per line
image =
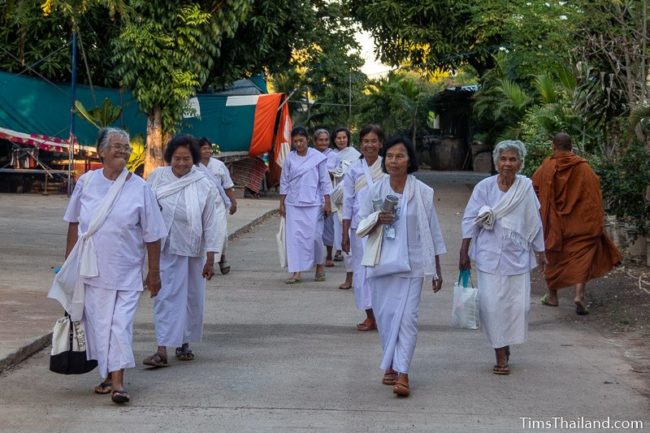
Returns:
point(402, 253)
point(187, 199)
point(346, 156)
point(113, 219)
point(322, 144)
point(502, 225)
point(361, 176)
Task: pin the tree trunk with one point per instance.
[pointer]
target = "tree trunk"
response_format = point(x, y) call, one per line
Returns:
point(154, 151)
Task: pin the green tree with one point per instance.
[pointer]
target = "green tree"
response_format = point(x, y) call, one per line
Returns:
point(448, 34)
point(165, 53)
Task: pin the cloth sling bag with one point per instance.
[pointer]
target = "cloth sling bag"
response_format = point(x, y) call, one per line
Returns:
point(68, 287)
point(68, 355)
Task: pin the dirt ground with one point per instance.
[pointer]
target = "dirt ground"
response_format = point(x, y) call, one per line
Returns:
point(619, 305)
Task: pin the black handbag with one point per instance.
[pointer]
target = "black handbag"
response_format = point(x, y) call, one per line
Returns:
point(68, 354)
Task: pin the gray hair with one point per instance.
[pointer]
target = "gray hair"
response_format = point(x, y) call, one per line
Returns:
point(320, 131)
point(105, 135)
point(506, 145)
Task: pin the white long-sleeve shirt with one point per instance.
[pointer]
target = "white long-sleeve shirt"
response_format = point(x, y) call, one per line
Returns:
point(179, 235)
point(490, 250)
point(308, 188)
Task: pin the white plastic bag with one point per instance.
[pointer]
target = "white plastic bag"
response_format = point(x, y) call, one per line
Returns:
point(464, 312)
point(282, 245)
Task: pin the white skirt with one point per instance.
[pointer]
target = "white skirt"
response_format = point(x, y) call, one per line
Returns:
point(504, 302)
point(304, 237)
point(396, 302)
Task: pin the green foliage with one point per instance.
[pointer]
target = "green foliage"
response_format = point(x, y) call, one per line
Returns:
point(29, 38)
point(450, 33)
point(398, 102)
point(324, 67)
point(138, 152)
point(101, 116)
point(167, 50)
point(624, 181)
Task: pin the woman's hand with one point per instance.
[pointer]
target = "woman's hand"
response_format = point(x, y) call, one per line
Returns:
point(208, 270)
point(233, 206)
point(386, 218)
point(152, 282)
point(283, 211)
point(464, 262)
point(327, 208)
point(345, 243)
point(437, 284)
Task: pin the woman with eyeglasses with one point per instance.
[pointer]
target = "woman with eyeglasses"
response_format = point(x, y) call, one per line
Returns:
point(130, 224)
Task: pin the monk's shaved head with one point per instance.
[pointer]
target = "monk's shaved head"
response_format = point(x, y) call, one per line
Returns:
point(562, 141)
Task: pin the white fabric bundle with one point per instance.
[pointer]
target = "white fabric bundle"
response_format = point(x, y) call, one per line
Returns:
point(68, 287)
point(518, 212)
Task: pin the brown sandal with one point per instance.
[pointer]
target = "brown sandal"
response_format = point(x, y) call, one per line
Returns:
point(401, 387)
point(390, 377)
point(104, 388)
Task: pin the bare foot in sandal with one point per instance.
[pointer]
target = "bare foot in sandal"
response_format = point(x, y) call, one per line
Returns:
point(156, 360)
point(104, 388)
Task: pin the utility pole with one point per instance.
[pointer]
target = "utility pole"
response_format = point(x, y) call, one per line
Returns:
point(350, 98)
point(73, 96)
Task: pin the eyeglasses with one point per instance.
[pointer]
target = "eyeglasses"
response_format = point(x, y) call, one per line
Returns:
point(122, 147)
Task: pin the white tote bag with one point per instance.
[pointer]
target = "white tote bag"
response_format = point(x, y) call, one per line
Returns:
point(282, 244)
point(464, 312)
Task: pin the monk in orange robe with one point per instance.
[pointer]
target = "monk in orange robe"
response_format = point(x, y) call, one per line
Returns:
point(577, 248)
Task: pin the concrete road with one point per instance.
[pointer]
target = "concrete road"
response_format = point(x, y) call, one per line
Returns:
point(280, 358)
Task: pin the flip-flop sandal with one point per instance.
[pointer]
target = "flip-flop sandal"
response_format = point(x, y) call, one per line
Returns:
point(104, 388)
point(320, 276)
point(329, 264)
point(581, 310)
point(156, 361)
point(544, 301)
point(293, 280)
point(184, 354)
point(120, 396)
point(338, 258)
point(502, 370)
point(345, 286)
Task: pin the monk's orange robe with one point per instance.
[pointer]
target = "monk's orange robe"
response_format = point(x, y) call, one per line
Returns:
point(577, 248)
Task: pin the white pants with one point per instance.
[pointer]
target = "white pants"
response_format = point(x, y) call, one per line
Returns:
point(362, 296)
point(304, 237)
point(108, 321)
point(222, 218)
point(504, 302)
point(395, 302)
point(178, 307)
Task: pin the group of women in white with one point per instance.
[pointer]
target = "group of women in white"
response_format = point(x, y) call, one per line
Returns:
point(392, 237)
point(177, 217)
point(389, 232)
